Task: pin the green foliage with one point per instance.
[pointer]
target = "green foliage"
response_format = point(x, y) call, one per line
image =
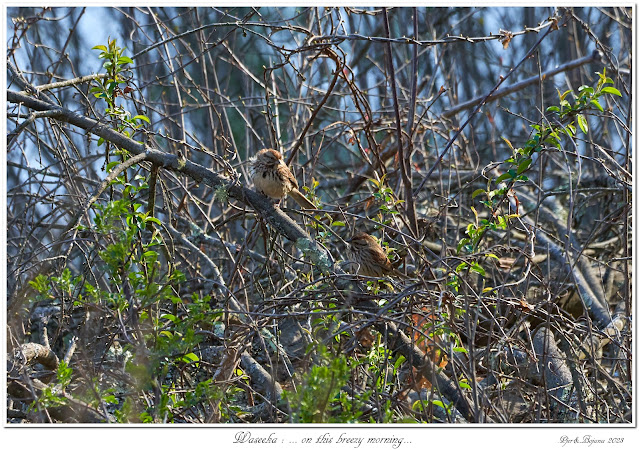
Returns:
point(55, 287)
point(40, 284)
point(378, 361)
point(386, 199)
point(321, 395)
point(545, 136)
point(50, 397)
point(318, 395)
point(311, 193)
point(64, 374)
point(173, 399)
point(53, 395)
point(322, 223)
point(327, 323)
point(586, 98)
point(129, 256)
point(109, 89)
point(137, 281)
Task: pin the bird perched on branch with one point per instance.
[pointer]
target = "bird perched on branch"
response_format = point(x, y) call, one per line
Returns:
point(272, 177)
point(372, 261)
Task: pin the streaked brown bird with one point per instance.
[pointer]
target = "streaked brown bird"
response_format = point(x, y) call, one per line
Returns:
point(272, 177)
point(370, 257)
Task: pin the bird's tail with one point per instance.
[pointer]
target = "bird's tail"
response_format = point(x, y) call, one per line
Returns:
point(301, 200)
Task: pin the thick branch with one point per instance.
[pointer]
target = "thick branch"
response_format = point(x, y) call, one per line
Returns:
point(403, 345)
point(481, 102)
point(594, 57)
point(280, 221)
point(72, 82)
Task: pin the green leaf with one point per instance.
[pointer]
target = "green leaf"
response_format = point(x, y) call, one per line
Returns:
point(478, 192)
point(439, 403)
point(524, 165)
point(337, 223)
point(170, 317)
point(191, 357)
point(501, 222)
point(553, 108)
point(597, 105)
point(150, 254)
point(99, 47)
point(110, 399)
point(551, 140)
point(475, 267)
point(570, 131)
point(141, 117)
point(155, 220)
point(111, 165)
point(40, 284)
point(502, 177)
point(125, 60)
point(487, 203)
point(563, 96)
point(586, 90)
point(501, 191)
point(400, 360)
point(610, 90)
point(462, 243)
point(583, 123)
